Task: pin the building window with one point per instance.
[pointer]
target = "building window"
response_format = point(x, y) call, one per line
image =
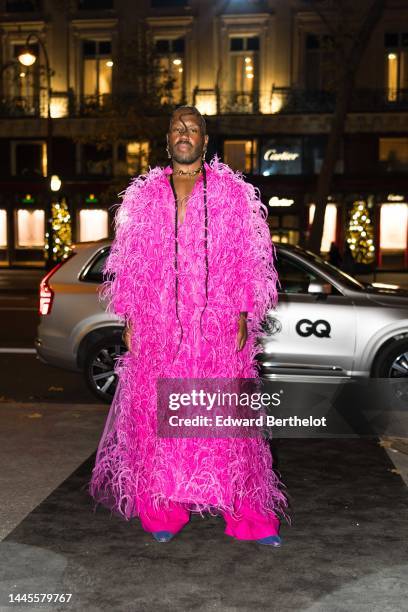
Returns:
point(22, 6)
point(95, 5)
point(30, 228)
point(170, 52)
point(319, 62)
point(3, 228)
point(282, 156)
point(329, 227)
point(284, 228)
point(132, 158)
point(96, 160)
point(241, 155)
point(396, 61)
point(244, 74)
point(97, 67)
point(93, 224)
point(28, 159)
point(22, 84)
point(137, 157)
point(393, 154)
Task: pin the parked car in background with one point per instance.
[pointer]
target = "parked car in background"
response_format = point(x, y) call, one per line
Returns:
point(327, 324)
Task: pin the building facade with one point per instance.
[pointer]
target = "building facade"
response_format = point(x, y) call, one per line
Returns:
point(261, 71)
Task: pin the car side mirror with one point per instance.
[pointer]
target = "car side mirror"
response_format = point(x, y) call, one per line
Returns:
point(317, 287)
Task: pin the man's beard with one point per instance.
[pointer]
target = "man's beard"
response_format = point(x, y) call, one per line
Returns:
point(186, 157)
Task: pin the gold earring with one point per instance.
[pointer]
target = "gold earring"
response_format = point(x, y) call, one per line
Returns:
point(168, 152)
point(204, 152)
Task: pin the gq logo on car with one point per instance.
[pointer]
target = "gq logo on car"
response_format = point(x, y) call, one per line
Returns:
point(320, 328)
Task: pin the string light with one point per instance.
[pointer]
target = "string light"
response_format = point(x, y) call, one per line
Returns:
point(62, 233)
point(360, 233)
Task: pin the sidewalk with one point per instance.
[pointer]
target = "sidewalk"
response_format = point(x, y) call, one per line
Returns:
point(344, 552)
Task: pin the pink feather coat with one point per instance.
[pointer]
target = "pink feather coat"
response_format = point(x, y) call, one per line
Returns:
point(134, 467)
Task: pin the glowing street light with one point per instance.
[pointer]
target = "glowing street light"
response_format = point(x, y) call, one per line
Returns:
point(26, 57)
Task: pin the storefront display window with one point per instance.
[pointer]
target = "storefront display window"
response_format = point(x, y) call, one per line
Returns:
point(329, 227)
point(93, 224)
point(3, 228)
point(30, 228)
point(393, 226)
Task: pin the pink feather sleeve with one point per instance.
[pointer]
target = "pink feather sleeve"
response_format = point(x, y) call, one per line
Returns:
point(257, 277)
point(118, 286)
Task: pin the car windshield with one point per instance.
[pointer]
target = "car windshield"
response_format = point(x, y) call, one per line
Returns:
point(335, 273)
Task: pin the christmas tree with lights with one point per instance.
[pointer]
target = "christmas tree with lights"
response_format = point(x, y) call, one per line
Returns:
point(360, 233)
point(61, 230)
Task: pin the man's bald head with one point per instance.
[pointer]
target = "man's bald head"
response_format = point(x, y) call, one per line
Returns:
point(184, 112)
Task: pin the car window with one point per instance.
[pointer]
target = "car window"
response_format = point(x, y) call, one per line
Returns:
point(295, 278)
point(94, 274)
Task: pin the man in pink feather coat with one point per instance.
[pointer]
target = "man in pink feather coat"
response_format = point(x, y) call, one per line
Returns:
point(191, 271)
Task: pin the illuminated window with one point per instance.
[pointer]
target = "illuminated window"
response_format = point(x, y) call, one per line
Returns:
point(171, 64)
point(241, 154)
point(3, 228)
point(22, 84)
point(93, 224)
point(244, 73)
point(30, 228)
point(329, 227)
point(393, 154)
point(393, 227)
point(396, 62)
point(137, 157)
point(283, 227)
point(97, 67)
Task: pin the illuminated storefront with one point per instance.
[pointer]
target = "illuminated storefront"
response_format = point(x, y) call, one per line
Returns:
point(22, 225)
point(393, 232)
point(329, 226)
point(93, 224)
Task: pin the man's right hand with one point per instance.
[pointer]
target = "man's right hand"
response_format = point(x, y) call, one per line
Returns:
point(127, 336)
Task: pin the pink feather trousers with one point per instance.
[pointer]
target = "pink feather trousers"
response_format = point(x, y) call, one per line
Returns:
point(134, 468)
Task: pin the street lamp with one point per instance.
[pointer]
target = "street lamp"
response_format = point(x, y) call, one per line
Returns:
point(28, 58)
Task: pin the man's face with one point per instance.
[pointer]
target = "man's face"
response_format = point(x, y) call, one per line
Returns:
point(185, 140)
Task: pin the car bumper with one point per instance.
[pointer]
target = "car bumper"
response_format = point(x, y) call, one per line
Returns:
point(54, 358)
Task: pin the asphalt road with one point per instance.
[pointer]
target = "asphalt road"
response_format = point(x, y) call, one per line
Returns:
point(22, 376)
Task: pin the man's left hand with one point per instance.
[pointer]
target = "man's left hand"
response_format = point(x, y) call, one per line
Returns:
point(242, 334)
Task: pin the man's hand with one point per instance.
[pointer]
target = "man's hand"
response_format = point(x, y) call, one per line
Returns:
point(127, 335)
point(242, 334)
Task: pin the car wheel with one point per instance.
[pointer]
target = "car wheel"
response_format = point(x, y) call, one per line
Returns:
point(393, 362)
point(99, 366)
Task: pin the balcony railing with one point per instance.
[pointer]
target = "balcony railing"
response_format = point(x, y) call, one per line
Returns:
point(289, 100)
point(19, 106)
point(280, 100)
